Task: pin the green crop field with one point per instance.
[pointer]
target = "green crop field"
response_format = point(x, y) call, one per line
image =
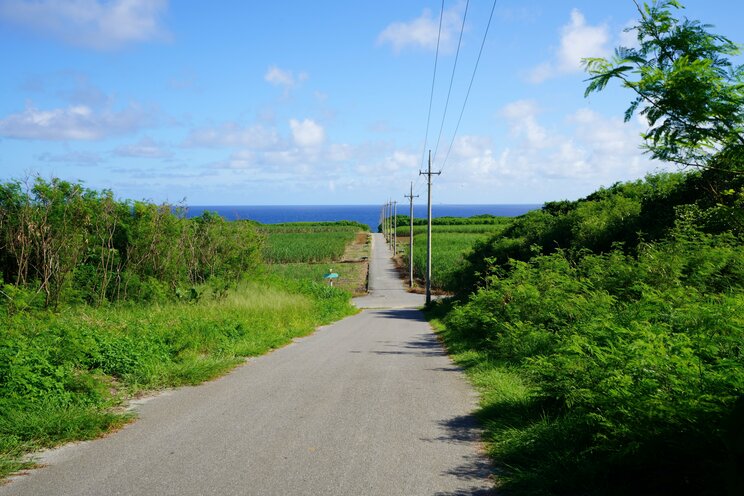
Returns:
point(307, 242)
point(462, 228)
point(450, 243)
point(308, 250)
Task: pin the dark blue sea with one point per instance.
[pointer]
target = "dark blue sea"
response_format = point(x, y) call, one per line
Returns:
point(366, 214)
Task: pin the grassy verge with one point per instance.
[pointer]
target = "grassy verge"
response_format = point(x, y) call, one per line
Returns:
point(62, 375)
point(507, 409)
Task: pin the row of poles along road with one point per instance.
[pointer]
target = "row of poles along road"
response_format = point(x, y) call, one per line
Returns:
point(389, 225)
point(389, 215)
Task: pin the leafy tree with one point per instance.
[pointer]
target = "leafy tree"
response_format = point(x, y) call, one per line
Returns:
point(686, 87)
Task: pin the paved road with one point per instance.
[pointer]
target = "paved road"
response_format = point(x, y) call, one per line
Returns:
point(368, 406)
point(386, 288)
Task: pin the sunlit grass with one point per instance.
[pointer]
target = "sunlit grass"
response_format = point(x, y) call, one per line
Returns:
point(83, 361)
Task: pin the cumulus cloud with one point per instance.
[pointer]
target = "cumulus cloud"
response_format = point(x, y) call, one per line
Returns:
point(401, 160)
point(101, 25)
point(587, 146)
point(284, 78)
point(580, 151)
point(422, 31)
point(307, 133)
point(578, 41)
point(232, 134)
point(75, 122)
point(522, 114)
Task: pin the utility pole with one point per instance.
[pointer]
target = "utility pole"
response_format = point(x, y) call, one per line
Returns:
point(428, 175)
point(384, 222)
point(387, 221)
point(410, 237)
point(395, 228)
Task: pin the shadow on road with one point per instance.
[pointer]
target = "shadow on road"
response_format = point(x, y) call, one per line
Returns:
point(402, 314)
point(475, 491)
point(477, 467)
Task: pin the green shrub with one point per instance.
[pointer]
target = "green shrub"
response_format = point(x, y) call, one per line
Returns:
point(638, 361)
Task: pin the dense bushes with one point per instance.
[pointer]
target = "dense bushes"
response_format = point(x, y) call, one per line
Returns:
point(61, 241)
point(629, 332)
point(624, 215)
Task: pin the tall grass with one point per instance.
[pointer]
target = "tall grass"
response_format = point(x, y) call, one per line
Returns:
point(61, 373)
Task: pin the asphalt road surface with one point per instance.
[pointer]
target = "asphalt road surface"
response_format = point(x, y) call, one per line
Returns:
point(370, 405)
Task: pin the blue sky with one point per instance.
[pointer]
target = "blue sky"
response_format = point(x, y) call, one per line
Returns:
point(323, 102)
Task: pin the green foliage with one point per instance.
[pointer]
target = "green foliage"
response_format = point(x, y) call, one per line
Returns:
point(633, 355)
point(606, 334)
point(685, 86)
point(70, 244)
point(142, 298)
point(623, 215)
point(61, 372)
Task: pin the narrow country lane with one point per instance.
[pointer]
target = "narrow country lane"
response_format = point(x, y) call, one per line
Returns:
point(370, 405)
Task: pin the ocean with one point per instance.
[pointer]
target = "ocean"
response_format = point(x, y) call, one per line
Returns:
point(366, 214)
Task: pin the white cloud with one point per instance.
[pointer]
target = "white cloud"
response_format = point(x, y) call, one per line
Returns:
point(284, 78)
point(75, 122)
point(580, 152)
point(401, 160)
point(422, 31)
point(629, 36)
point(522, 115)
point(231, 134)
point(586, 147)
point(144, 148)
point(89, 23)
point(307, 133)
point(578, 41)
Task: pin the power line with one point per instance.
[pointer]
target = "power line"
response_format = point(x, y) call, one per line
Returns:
point(452, 78)
point(433, 79)
point(470, 86)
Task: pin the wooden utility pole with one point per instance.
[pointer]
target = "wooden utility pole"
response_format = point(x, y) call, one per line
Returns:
point(410, 236)
point(428, 175)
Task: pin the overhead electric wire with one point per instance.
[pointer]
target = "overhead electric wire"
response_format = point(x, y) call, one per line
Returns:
point(433, 80)
point(452, 78)
point(470, 86)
